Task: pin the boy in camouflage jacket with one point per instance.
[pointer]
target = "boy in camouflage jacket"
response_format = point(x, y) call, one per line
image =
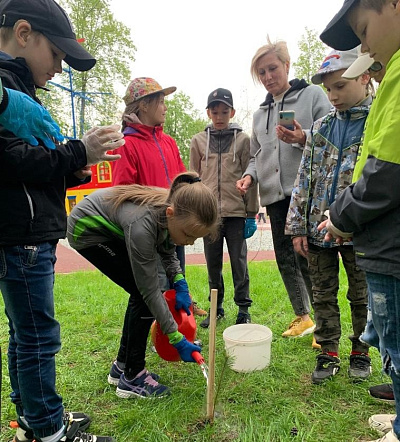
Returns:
point(326, 169)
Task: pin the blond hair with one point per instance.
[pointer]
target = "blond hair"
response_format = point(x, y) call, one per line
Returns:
point(190, 198)
point(279, 48)
point(151, 100)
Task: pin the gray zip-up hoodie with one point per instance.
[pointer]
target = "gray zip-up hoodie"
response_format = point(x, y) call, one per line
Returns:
point(274, 163)
point(94, 221)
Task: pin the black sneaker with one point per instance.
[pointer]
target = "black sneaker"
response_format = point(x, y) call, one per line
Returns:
point(75, 435)
point(79, 421)
point(220, 315)
point(116, 372)
point(383, 392)
point(243, 318)
point(327, 367)
point(360, 367)
point(142, 386)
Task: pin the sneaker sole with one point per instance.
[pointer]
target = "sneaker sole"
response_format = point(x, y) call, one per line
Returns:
point(386, 401)
point(112, 381)
point(305, 332)
point(130, 394)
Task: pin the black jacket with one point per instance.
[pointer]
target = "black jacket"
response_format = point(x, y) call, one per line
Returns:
point(33, 179)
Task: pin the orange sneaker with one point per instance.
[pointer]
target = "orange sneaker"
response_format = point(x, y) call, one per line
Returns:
point(299, 328)
point(315, 344)
point(197, 311)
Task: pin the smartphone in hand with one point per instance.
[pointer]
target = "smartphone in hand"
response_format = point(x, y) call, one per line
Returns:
point(286, 119)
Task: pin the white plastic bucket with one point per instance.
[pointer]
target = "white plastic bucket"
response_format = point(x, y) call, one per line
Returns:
point(249, 346)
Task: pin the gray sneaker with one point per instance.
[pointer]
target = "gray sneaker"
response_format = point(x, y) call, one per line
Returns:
point(360, 367)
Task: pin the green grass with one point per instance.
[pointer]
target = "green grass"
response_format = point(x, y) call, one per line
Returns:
point(260, 406)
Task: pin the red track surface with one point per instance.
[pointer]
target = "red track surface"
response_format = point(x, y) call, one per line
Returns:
point(69, 261)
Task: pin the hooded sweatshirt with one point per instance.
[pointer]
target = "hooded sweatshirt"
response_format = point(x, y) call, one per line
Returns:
point(274, 163)
point(220, 157)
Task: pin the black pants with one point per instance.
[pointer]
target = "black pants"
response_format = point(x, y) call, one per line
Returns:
point(112, 259)
point(232, 231)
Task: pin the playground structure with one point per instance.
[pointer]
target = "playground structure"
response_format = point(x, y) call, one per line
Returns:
point(102, 172)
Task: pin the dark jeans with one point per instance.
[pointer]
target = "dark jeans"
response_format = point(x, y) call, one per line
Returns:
point(292, 266)
point(26, 283)
point(324, 273)
point(112, 259)
point(232, 230)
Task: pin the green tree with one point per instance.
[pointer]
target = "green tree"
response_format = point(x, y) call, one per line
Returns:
point(182, 122)
point(108, 40)
point(312, 52)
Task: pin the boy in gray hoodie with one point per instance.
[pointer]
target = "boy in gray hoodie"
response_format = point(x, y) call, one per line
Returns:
point(220, 154)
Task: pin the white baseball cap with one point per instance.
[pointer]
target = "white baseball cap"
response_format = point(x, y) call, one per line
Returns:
point(361, 65)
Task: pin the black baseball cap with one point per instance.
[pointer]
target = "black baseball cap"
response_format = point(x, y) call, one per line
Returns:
point(48, 18)
point(338, 33)
point(221, 95)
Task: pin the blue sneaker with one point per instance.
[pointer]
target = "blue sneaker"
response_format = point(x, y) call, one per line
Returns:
point(116, 372)
point(142, 386)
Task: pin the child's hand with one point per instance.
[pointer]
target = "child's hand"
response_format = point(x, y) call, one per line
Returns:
point(182, 297)
point(333, 233)
point(99, 140)
point(83, 173)
point(296, 136)
point(250, 228)
point(300, 245)
point(29, 120)
point(185, 349)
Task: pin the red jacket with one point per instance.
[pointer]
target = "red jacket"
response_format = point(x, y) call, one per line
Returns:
point(149, 157)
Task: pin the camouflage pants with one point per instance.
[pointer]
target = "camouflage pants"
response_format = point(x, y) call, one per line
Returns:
point(324, 273)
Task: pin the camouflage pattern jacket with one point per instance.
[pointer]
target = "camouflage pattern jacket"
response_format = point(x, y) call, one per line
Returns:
point(326, 168)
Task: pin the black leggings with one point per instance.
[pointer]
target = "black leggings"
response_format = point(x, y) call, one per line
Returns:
point(112, 259)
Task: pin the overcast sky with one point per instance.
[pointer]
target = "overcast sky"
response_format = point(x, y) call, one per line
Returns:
point(198, 46)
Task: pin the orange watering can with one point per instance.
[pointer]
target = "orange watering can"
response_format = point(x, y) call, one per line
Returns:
point(186, 326)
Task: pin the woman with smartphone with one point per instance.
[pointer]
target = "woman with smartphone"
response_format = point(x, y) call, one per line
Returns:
point(274, 163)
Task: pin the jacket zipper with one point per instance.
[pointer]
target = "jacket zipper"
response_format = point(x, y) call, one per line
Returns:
point(29, 198)
point(219, 171)
point(336, 176)
point(162, 156)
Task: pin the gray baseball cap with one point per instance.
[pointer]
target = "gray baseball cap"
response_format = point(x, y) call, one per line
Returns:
point(335, 61)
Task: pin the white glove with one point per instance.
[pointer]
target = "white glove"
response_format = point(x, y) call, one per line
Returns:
point(99, 140)
point(334, 231)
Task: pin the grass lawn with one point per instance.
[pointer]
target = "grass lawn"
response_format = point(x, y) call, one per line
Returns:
point(260, 406)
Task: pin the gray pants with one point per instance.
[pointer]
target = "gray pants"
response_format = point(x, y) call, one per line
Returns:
point(232, 230)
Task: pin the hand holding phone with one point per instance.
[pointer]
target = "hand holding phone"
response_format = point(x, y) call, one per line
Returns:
point(286, 119)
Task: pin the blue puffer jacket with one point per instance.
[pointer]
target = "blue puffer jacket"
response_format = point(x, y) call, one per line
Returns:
point(326, 169)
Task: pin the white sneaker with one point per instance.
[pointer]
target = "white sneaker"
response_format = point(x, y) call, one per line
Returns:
point(388, 437)
point(382, 423)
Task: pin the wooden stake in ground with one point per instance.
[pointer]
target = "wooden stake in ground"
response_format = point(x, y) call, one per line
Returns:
point(211, 356)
